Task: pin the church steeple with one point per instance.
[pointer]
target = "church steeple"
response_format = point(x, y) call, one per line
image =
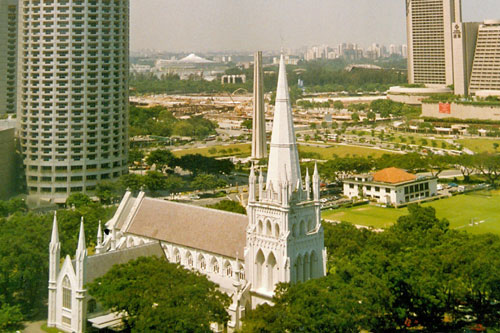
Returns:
point(283, 156)
point(54, 259)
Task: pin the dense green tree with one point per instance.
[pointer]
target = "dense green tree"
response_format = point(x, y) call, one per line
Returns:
point(24, 241)
point(338, 105)
point(229, 206)
point(489, 166)
point(162, 158)
point(197, 163)
point(135, 155)
point(108, 192)
point(155, 181)
point(248, 124)
point(132, 181)
point(11, 318)
point(12, 206)
point(174, 183)
point(205, 182)
point(78, 200)
point(154, 294)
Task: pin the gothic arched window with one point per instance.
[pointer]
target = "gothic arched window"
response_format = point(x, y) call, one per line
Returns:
point(177, 256)
point(203, 263)
point(269, 228)
point(91, 306)
point(228, 269)
point(189, 260)
point(66, 287)
point(242, 272)
point(215, 266)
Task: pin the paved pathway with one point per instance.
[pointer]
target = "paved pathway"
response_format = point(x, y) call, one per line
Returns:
point(34, 327)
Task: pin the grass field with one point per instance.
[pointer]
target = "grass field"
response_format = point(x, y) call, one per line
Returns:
point(482, 207)
point(244, 149)
point(342, 151)
point(479, 145)
point(241, 149)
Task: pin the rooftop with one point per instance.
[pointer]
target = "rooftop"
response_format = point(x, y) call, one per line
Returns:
point(393, 176)
point(196, 227)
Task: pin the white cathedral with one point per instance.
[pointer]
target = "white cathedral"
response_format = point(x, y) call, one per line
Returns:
point(280, 239)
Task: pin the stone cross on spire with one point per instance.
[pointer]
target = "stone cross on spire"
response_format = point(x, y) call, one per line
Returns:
point(283, 156)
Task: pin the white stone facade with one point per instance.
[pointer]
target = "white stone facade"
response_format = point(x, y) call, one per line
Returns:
point(72, 95)
point(281, 238)
point(390, 194)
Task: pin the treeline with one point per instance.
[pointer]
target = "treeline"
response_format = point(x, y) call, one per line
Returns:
point(485, 165)
point(416, 275)
point(205, 173)
point(172, 84)
point(320, 76)
point(161, 122)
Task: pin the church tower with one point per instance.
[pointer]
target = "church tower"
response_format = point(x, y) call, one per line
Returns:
point(285, 238)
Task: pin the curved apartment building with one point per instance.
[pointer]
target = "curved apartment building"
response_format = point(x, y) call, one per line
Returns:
point(72, 94)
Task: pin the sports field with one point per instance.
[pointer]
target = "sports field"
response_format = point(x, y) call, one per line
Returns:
point(480, 145)
point(460, 210)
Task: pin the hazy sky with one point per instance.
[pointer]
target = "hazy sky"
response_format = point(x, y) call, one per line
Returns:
point(246, 25)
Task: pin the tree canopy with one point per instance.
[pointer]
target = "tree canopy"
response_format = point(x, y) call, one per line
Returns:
point(161, 297)
point(417, 274)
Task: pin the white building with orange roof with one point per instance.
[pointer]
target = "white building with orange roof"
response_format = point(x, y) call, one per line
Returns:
point(391, 186)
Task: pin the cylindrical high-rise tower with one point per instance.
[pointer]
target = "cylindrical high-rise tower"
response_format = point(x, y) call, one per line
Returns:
point(72, 94)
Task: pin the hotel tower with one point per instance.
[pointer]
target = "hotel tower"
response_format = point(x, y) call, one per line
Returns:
point(72, 94)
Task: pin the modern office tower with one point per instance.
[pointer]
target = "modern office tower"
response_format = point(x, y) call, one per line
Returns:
point(8, 55)
point(464, 43)
point(72, 94)
point(486, 66)
point(430, 48)
point(259, 144)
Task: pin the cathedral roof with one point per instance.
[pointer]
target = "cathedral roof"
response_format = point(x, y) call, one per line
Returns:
point(197, 227)
point(99, 264)
point(283, 156)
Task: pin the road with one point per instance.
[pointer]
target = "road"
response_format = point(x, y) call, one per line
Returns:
point(444, 174)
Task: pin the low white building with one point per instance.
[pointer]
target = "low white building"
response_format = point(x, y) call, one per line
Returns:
point(391, 186)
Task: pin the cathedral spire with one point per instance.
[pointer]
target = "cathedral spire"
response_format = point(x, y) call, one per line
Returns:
point(99, 247)
point(81, 240)
point(55, 233)
point(283, 156)
point(54, 259)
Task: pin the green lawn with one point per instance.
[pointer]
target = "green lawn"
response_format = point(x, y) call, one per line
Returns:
point(479, 145)
point(342, 151)
point(244, 150)
point(482, 207)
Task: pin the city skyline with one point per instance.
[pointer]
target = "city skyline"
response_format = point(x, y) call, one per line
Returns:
point(200, 27)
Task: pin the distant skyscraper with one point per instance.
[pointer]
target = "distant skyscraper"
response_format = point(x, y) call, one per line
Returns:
point(72, 94)
point(259, 145)
point(486, 67)
point(8, 55)
point(464, 44)
point(430, 48)
point(404, 51)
